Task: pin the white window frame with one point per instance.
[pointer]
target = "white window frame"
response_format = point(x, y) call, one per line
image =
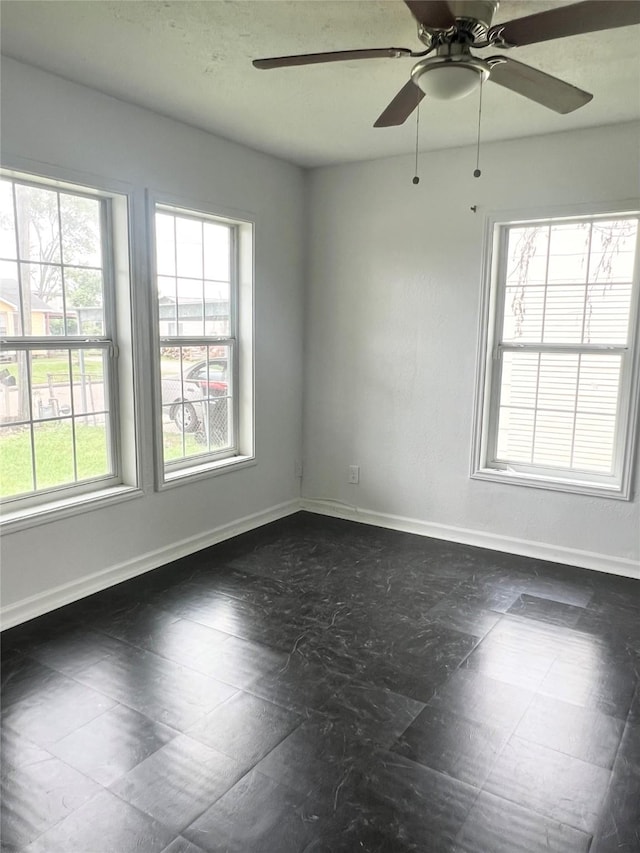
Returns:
point(240, 338)
point(484, 466)
point(68, 500)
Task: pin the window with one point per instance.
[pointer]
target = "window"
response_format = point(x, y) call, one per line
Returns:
point(59, 399)
point(203, 309)
point(559, 385)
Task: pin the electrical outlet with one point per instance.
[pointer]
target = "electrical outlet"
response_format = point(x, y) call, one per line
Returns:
point(354, 474)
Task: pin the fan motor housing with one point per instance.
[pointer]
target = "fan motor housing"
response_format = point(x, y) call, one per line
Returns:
point(473, 19)
point(481, 11)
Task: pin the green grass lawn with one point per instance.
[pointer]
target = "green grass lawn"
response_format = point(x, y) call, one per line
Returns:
point(53, 456)
point(172, 442)
point(42, 367)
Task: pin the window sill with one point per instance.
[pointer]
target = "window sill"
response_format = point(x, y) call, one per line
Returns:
point(576, 487)
point(209, 469)
point(45, 513)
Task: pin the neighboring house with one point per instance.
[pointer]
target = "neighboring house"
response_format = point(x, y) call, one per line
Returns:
point(41, 313)
point(189, 316)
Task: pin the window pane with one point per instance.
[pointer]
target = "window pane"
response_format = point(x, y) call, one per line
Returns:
point(16, 461)
point(568, 253)
point(81, 231)
point(167, 306)
point(54, 453)
point(558, 410)
point(54, 402)
point(88, 372)
point(189, 248)
point(42, 295)
point(165, 245)
point(553, 439)
point(195, 301)
point(613, 250)
point(593, 443)
point(63, 383)
point(599, 384)
point(523, 313)
point(181, 400)
point(50, 384)
point(217, 308)
point(15, 406)
point(92, 447)
point(196, 400)
point(527, 255)
point(564, 307)
point(519, 379)
point(557, 381)
point(217, 388)
point(41, 291)
point(564, 314)
point(568, 286)
point(217, 251)
point(517, 410)
point(190, 308)
point(10, 309)
point(85, 303)
point(38, 224)
point(515, 435)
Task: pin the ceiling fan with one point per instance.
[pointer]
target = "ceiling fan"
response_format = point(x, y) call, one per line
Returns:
point(447, 69)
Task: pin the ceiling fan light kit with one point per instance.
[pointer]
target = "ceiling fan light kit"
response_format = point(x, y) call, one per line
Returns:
point(454, 73)
point(447, 69)
point(448, 82)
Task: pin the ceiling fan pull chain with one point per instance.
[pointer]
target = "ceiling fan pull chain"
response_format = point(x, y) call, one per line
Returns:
point(416, 179)
point(476, 171)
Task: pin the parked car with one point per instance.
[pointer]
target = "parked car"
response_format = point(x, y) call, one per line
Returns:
point(182, 396)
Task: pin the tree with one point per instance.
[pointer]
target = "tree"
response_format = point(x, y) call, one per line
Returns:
point(54, 229)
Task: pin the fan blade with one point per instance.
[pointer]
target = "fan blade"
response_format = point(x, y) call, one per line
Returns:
point(587, 17)
point(538, 86)
point(332, 56)
point(434, 14)
point(401, 106)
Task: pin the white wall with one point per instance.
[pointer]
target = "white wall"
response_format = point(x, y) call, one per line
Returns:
point(389, 344)
point(393, 299)
point(50, 121)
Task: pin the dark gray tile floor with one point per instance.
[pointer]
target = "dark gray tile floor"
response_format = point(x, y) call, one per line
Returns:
point(319, 685)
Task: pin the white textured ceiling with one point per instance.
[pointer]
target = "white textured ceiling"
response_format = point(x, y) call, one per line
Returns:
point(192, 61)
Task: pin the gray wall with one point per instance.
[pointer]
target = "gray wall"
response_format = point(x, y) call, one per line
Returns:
point(50, 121)
point(392, 328)
point(386, 322)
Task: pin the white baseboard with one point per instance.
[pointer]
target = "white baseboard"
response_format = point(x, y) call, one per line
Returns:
point(482, 539)
point(37, 605)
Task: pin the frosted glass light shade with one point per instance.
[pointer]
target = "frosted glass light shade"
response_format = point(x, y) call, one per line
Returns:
point(449, 81)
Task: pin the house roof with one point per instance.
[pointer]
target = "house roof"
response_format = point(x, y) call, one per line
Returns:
point(9, 294)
